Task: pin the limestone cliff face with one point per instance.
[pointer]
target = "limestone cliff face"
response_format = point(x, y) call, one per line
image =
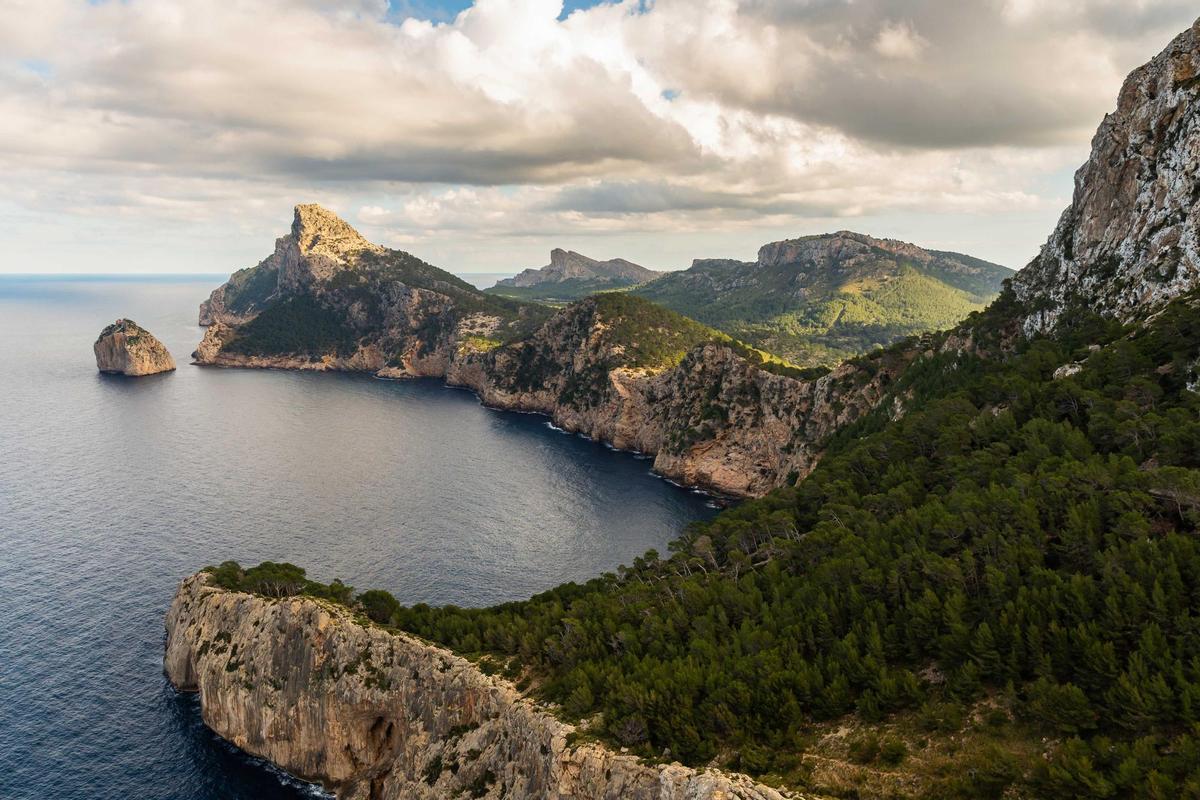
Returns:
point(376, 715)
point(714, 421)
point(126, 348)
point(319, 245)
point(1129, 241)
point(743, 430)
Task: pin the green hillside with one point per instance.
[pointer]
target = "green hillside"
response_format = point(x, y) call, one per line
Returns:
point(320, 323)
point(562, 292)
point(845, 295)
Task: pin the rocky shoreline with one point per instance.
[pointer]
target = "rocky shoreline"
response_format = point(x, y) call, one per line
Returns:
point(758, 430)
point(375, 714)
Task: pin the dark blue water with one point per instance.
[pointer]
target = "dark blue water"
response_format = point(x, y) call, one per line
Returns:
point(112, 489)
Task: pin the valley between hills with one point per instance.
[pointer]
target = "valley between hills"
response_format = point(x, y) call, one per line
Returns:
point(965, 561)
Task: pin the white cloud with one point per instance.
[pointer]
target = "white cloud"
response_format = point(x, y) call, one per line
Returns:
point(658, 120)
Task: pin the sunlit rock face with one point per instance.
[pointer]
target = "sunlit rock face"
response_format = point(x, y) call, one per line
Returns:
point(377, 715)
point(1129, 242)
point(126, 348)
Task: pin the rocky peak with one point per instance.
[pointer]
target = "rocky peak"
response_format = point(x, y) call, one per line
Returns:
point(126, 348)
point(317, 230)
point(321, 244)
point(1128, 243)
point(835, 247)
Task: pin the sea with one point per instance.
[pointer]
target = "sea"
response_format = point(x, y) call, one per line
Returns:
point(113, 489)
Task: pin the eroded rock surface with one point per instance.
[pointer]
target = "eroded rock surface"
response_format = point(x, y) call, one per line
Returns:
point(126, 348)
point(380, 715)
point(1129, 242)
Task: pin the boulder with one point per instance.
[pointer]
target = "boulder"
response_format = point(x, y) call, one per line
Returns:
point(126, 348)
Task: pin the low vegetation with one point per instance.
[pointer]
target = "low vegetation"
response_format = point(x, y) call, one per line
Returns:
point(561, 292)
point(298, 325)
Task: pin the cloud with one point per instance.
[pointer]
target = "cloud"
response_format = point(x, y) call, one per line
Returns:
point(513, 120)
point(899, 40)
point(916, 74)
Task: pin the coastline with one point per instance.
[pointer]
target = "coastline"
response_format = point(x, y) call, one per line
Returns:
point(379, 714)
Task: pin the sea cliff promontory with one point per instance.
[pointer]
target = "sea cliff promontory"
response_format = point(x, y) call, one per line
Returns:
point(714, 413)
point(372, 713)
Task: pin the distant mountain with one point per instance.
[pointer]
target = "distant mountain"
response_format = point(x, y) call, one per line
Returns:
point(819, 299)
point(571, 275)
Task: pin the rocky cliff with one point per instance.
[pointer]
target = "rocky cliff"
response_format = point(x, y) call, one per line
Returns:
point(374, 714)
point(715, 420)
point(1129, 242)
point(126, 348)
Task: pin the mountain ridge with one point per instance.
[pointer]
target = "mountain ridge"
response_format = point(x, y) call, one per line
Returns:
point(817, 300)
point(568, 264)
point(570, 276)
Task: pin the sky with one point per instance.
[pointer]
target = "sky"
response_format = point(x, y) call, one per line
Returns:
point(176, 135)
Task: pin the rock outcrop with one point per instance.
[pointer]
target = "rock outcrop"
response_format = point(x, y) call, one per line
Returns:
point(1130, 240)
point(126, 348)
point(715, 420)
point(567, 265)
point(378, 715)
point(319, 245)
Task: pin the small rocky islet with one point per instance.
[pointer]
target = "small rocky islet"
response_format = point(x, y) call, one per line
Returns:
point(126, 348)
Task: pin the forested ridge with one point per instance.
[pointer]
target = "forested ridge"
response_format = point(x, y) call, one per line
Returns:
point(829, 306)
point(1016, 537)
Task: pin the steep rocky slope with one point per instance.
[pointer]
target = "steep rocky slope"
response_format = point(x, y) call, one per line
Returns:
point(126, 348)
point(571, 275)
point(821, 299)
point(1128, 243)
point(713, 418)
point(376, 714)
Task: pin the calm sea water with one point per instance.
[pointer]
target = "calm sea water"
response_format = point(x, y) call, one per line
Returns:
point(112, 489)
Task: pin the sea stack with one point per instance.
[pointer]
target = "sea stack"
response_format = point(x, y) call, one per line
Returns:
point(126, 348)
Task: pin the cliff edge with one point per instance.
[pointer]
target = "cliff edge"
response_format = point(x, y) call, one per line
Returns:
point(374, 714)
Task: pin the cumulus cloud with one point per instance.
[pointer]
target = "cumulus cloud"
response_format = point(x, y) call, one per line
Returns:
point(511, 120)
